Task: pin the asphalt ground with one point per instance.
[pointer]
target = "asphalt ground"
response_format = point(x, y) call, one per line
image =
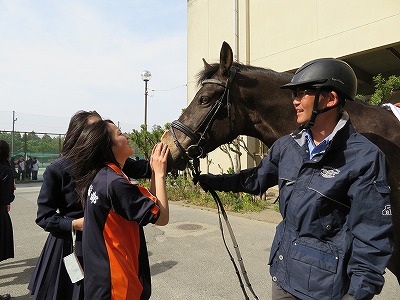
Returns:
point(187, 257)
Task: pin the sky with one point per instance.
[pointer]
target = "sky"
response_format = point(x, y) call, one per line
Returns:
point(58, 57)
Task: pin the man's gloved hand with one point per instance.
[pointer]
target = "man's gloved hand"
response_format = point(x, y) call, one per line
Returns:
point(202, 180)
point(348, 297)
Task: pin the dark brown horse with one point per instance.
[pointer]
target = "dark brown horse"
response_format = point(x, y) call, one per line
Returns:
point(243, 100)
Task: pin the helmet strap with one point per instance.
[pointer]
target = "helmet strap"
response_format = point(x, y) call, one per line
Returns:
point(316, 111)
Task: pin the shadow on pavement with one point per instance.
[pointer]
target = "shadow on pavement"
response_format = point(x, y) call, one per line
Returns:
point(20, 271)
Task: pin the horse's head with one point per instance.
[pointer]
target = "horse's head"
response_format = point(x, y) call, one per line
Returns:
point(233, 100)
point(209, 116)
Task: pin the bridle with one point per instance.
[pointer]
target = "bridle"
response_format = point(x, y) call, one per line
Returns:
point(192, 155)
point(197, 136)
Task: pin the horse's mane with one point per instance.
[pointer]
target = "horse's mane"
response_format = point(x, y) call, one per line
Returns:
point(208, 72)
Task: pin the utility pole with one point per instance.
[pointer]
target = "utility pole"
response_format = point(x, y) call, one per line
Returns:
point(12, 134)
point(146, 76)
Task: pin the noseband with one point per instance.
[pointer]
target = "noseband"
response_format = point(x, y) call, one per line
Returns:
point(198, 138)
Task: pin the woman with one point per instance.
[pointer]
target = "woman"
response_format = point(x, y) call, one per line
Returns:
point(59, 211)
point(35, 168)
point(116, 262)
point(6, 197)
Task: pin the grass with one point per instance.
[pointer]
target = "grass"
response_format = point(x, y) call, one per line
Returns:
point(182, 189)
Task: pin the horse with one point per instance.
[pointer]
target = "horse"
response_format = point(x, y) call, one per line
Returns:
point(236, 99)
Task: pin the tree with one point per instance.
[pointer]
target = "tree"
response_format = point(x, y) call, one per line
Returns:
point(384, 88)
point(145, 140)
point(236, 147)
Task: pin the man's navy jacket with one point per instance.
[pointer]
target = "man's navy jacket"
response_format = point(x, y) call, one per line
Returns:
point(335, 236)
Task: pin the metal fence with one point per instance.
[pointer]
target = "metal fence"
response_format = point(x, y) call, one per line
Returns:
point(26, 146)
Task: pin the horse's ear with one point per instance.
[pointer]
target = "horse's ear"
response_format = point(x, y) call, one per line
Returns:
point(206, 64)
point(225, 59)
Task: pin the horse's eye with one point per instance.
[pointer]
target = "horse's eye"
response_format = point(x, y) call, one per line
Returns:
point(204, 100)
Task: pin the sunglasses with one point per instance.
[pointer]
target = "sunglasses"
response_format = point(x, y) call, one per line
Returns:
point(301, 93)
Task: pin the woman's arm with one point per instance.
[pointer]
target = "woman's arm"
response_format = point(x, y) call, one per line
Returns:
point(158, 188)
point(137, 168)
point(6, 186)
point(55, 213)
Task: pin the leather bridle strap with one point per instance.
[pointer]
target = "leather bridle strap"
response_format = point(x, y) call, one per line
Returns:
point(197, 136)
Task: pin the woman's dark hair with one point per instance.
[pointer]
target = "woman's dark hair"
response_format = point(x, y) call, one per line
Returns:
point(4, 153)
point(78, 121)
point(92, 150)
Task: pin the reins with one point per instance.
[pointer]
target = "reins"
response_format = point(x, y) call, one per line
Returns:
point(195, 151)
point(195, 167)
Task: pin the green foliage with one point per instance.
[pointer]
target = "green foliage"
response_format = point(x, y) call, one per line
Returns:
point(181, 188)
point(384, 88)
point(360, 97)
point(145, 140)
point(230, 171)
point(33, 145)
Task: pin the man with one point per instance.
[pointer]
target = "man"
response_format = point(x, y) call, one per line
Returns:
point(28, 167)
point(334, 241)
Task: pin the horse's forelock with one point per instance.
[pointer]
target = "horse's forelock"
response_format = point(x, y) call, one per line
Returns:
point(207, 73)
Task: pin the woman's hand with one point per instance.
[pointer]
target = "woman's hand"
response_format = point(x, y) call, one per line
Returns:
point(158, 159)
point(77, 224)
point(158, 162)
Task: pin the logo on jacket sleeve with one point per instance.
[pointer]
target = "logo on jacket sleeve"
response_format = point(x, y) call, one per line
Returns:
point(329, 172)
point(92, 195)
point(387, 211)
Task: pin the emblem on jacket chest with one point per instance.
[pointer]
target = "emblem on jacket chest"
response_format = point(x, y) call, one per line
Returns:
point(329, 172)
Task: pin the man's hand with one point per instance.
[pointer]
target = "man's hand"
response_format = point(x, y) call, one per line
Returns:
point(202, 180)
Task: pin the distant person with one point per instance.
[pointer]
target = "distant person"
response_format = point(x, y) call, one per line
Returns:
point(21, 168)
point(115, 256)
point(59, 211)
point(28, 167)
point(6, 197)
point(35, 168)
point(14, 167)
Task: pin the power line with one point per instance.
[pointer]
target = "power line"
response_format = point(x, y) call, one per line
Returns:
point(182, 85)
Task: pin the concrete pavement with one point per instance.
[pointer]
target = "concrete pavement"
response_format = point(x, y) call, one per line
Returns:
point(187, 257)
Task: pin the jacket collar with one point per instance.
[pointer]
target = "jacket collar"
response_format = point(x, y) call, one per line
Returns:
point(344, 122)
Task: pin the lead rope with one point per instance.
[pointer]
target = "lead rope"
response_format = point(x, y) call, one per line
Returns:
point(196, 172)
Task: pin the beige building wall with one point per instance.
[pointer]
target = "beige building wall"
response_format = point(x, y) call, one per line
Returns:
point(282, 35)
point(285, 34)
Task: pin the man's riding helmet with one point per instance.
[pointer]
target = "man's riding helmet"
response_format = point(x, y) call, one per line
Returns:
point(326, 73)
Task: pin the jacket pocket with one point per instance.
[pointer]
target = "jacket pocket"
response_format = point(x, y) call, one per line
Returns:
point(314, 267)
point(382, 187)
point(277, 241)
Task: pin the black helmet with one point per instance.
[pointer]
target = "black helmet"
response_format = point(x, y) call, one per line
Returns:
point(326, 73)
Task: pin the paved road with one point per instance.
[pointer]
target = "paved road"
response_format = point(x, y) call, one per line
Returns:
point(187, 257)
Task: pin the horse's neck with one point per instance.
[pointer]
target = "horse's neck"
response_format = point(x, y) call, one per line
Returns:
point(374, 120)
point(271, 114)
